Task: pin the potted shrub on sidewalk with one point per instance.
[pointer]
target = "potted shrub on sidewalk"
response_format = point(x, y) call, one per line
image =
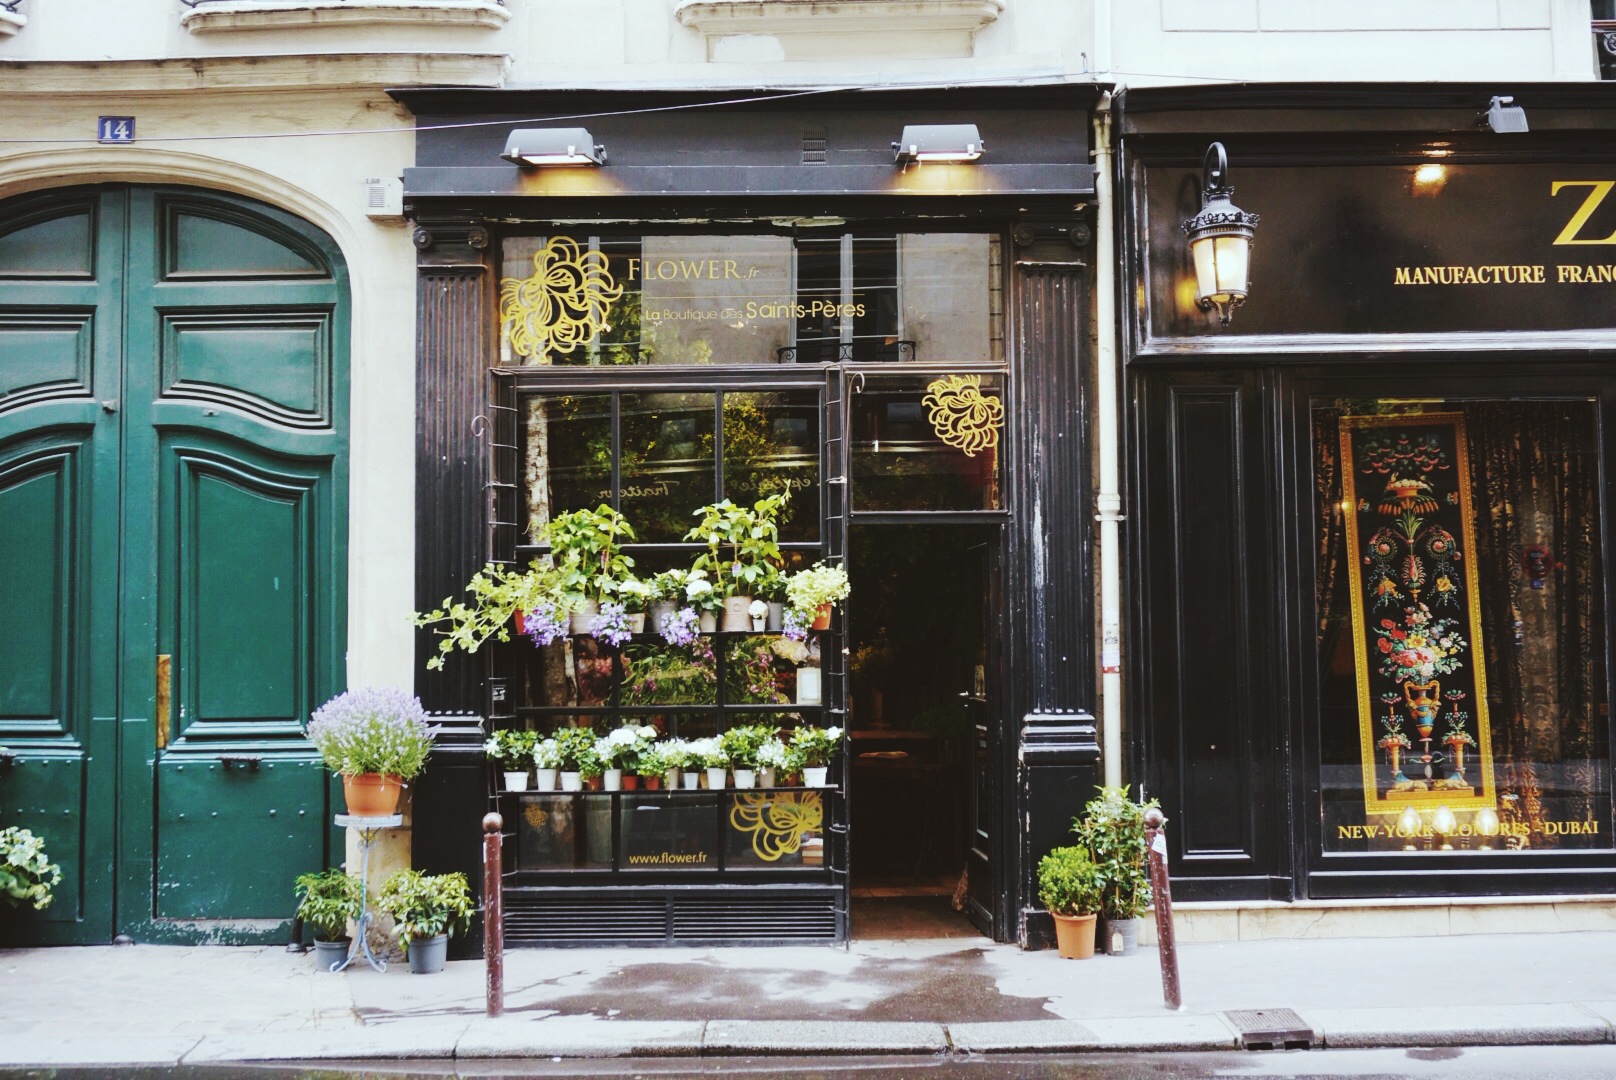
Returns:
point(1069, 887)
point(327, 902)
point(377, 738)
point(426, 909)
point(1113, 829)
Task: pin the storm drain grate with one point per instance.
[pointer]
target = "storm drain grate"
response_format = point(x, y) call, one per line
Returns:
point(1271, 1029)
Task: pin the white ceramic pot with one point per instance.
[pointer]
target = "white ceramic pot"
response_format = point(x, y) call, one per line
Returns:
point(571, 781)
point(547, 779)
point(745, 778)
point(707, 622)
point(612, 780)
point(636, 622)
point(516, 781)
point(758, 625)
point(715, 778)
point(735, 616)
point(765, 778)
point(670, 779)
point(808, 687)
point(814, 776)
point(691, 779)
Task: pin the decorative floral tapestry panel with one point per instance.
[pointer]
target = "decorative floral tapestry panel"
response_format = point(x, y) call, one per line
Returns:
point(1422, 695)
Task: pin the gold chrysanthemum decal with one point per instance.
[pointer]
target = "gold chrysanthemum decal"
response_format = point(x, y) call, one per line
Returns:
point(777, 822)
point(564, 303)
point(962, 415)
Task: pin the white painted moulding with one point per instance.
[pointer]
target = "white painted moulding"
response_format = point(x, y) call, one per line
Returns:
point(787, 16)
point(213, 16)
point(11, 22)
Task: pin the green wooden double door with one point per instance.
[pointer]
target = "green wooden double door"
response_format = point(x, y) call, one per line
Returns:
point(173, 448)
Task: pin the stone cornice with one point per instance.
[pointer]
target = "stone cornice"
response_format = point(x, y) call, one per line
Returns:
point(305, 71)
point(214, 16)
point(820, 16)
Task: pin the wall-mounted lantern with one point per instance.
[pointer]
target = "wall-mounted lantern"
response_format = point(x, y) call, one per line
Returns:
point(1220, 240)
point(553, 146)
point(955, 143)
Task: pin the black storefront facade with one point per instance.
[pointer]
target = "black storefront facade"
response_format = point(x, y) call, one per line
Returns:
point(745, 299)
point(1369, 518)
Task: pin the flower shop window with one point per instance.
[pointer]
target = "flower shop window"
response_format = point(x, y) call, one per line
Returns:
point(928, 442)
point(1461, 626)
point(806, 296)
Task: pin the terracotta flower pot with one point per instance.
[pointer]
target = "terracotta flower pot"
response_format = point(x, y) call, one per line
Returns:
point(631, 782)
point(821, 618)
point(1074, 936)
point(651, 783)
point(372, 794)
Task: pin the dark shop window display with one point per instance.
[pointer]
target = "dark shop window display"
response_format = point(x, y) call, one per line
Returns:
point(1462, 652)
point(844, 297)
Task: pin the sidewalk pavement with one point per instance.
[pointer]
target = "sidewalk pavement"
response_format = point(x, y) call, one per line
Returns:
point(163, 1005)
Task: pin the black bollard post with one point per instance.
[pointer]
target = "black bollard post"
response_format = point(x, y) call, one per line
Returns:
point(1162, 901)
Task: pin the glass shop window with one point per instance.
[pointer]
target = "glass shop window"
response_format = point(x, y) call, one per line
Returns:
point(581, 299)
point(1461, 626)
point(927, 442)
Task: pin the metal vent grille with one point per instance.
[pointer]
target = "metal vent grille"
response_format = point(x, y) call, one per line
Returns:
point(586, 919)
point(1271, 1029)
point(815, 145)
point(768, 918)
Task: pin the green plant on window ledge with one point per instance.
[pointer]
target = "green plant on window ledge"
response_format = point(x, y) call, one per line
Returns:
point(496, 595)
point(743, 543)
point(587, 548)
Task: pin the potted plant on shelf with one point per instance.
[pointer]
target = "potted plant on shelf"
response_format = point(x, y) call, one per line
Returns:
point(547, 762)
point(586, 547)
point(814, 591)
point(377, 738)
point(528, 599)
point(1069, 886)
point(707, 755)
point(636, 596)
point(743, 550)
point(27, 875)
point(774, 760)
point(679, 770)
point(700, 595)
point(426, 909)
point(652, 768)
point(327, 903)
point(741, 745)
point(619, 751)
point(1113, 830)
point(667, 596)
point(793, 646)
point(772, 591)
point(817, 747)
point(575, 746)
point(512, 749)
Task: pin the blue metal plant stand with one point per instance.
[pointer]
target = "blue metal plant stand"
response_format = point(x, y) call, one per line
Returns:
point(368, 828)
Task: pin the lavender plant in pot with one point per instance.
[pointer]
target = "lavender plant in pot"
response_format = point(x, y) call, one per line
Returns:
point(377, 738)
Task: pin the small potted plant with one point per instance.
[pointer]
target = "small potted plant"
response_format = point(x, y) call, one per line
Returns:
point(700, 594)
point(512, 749)
point(743, 549)
point(500, 599)
point(1069, 886)
point(618, 752)
point(1113, 830)
point(708, 755)
point(740, 746)
point(547, 762)
point(774, 760)
point(636, 596)
point(576, 748)
point(377, 738)
point(759, 613)
point(667, 596)
point(426, 909)
point(772, 591)
point(327, 902)
point(678, 771)
point(814, 591)
point(651, 766)
point(586, 547)
point(817, 746)
point(27, 875)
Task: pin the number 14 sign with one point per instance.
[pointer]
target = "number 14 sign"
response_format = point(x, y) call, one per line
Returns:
point(115, 129)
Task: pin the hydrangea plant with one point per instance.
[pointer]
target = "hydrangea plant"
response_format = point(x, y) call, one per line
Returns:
point(27, 876)
point(372, 730)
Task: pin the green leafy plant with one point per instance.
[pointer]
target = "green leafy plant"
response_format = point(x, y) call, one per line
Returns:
point(27, 875)
point(816, 745)
point(496, 595)
point(741, 744)
point(1069, 883)
point(653, 762)
point(586, 546)
point(372, 730)
point(512, 748)
point(743, 543)
point(426, 905)
point(807, 590)
point(328, 900)
point(577, 748)
point(547, 754)
point(1113, 831)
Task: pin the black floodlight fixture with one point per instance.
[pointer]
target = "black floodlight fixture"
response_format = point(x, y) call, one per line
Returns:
point(540, 147)
point(1220, 240)
point(1504, 116)
point(938, 142)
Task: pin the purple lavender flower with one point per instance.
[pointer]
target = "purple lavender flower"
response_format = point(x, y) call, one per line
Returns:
point(678, 627)
point(795, 626)
point(546, 623)
point(612, 624)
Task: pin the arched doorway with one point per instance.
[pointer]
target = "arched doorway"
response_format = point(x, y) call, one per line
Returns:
point(173, 548)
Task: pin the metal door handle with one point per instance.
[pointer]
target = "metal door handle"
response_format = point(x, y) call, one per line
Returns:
point(246, 761)
point(163, 668)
